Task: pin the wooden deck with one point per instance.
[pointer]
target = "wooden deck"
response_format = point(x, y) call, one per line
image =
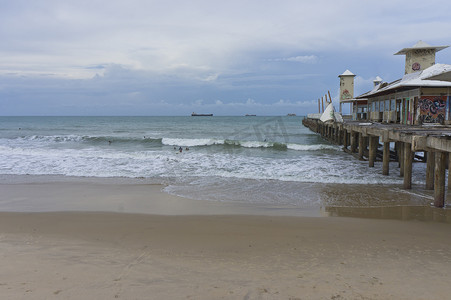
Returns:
point(363, 139)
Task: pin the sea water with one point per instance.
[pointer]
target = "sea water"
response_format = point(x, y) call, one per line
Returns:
point(273, 160)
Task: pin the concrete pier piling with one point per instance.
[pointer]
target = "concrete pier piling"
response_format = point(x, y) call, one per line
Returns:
point(386, 158)
point(439, 179)
point(372, 151)
point(430, 167)
point(408, 156)
point(363, 142)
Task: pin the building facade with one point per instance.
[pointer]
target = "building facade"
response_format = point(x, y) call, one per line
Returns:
point(422, 96)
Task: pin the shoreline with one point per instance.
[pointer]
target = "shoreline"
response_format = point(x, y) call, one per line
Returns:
point(127, 239)
point(51, 193)
point(44, 193)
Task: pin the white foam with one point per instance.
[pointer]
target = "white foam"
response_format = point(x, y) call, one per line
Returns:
point(37, 156)
point(191, 142)
point(256, 144)
point(104, 163)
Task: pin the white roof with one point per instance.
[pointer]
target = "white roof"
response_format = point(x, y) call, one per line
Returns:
point(435, 70)
point(423, 78)
point(420, 45)
point(346, 73)
point(378, 79)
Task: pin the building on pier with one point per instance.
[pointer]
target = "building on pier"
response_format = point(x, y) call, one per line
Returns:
point(399, 111)
point(422, 95)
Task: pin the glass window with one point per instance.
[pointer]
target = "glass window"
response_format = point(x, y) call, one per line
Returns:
point(387, 105)
point(393, 105)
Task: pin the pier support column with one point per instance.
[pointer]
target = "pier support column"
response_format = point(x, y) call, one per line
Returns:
point(449, 171)
point(374, 140)
point(335, 134)
point(353, 141)
point(401, 159)
point(439, 179)
point(430, 165)
point(345, 138)
point(408, 155)
point(386, 159)
point(398, 152)
point(361, 145)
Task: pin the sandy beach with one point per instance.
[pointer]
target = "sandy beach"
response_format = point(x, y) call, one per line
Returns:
point(186, 249)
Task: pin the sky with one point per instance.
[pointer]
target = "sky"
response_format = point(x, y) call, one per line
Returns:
point(173, 57)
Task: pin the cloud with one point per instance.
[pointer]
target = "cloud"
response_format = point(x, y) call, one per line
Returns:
point(60, 37)
point(110, 54)
point(301, 59)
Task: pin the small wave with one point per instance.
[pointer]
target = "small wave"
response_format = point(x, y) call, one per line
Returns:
point(87, 139)
point(211, 142)
point(51, 138)
point(299, 147)
point(107, 139)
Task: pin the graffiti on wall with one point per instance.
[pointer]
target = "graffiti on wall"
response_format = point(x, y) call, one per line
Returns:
point(346, 95)
point(448, 107)
point(432, 109)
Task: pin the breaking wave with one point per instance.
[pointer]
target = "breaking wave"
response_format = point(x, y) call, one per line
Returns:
point(185, 142)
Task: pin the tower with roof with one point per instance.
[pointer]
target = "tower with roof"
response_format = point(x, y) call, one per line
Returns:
point(420, 56)
point(346, 87)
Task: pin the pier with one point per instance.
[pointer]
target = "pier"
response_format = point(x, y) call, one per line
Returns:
point(396, 120)
point(371, 142)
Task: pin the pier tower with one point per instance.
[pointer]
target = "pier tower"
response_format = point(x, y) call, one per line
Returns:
point(377, 81)
point(420, 56)
point(346, 87)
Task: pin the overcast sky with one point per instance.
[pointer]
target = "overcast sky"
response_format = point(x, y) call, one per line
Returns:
point(224, 57)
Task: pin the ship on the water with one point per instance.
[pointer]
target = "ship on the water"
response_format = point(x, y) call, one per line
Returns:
point(201, 115)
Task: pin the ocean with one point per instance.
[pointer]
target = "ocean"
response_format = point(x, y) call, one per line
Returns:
point(266, 160)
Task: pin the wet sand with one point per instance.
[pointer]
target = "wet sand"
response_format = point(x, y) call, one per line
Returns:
point(210, 251)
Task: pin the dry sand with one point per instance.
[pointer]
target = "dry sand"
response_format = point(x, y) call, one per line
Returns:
point(110, 255)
